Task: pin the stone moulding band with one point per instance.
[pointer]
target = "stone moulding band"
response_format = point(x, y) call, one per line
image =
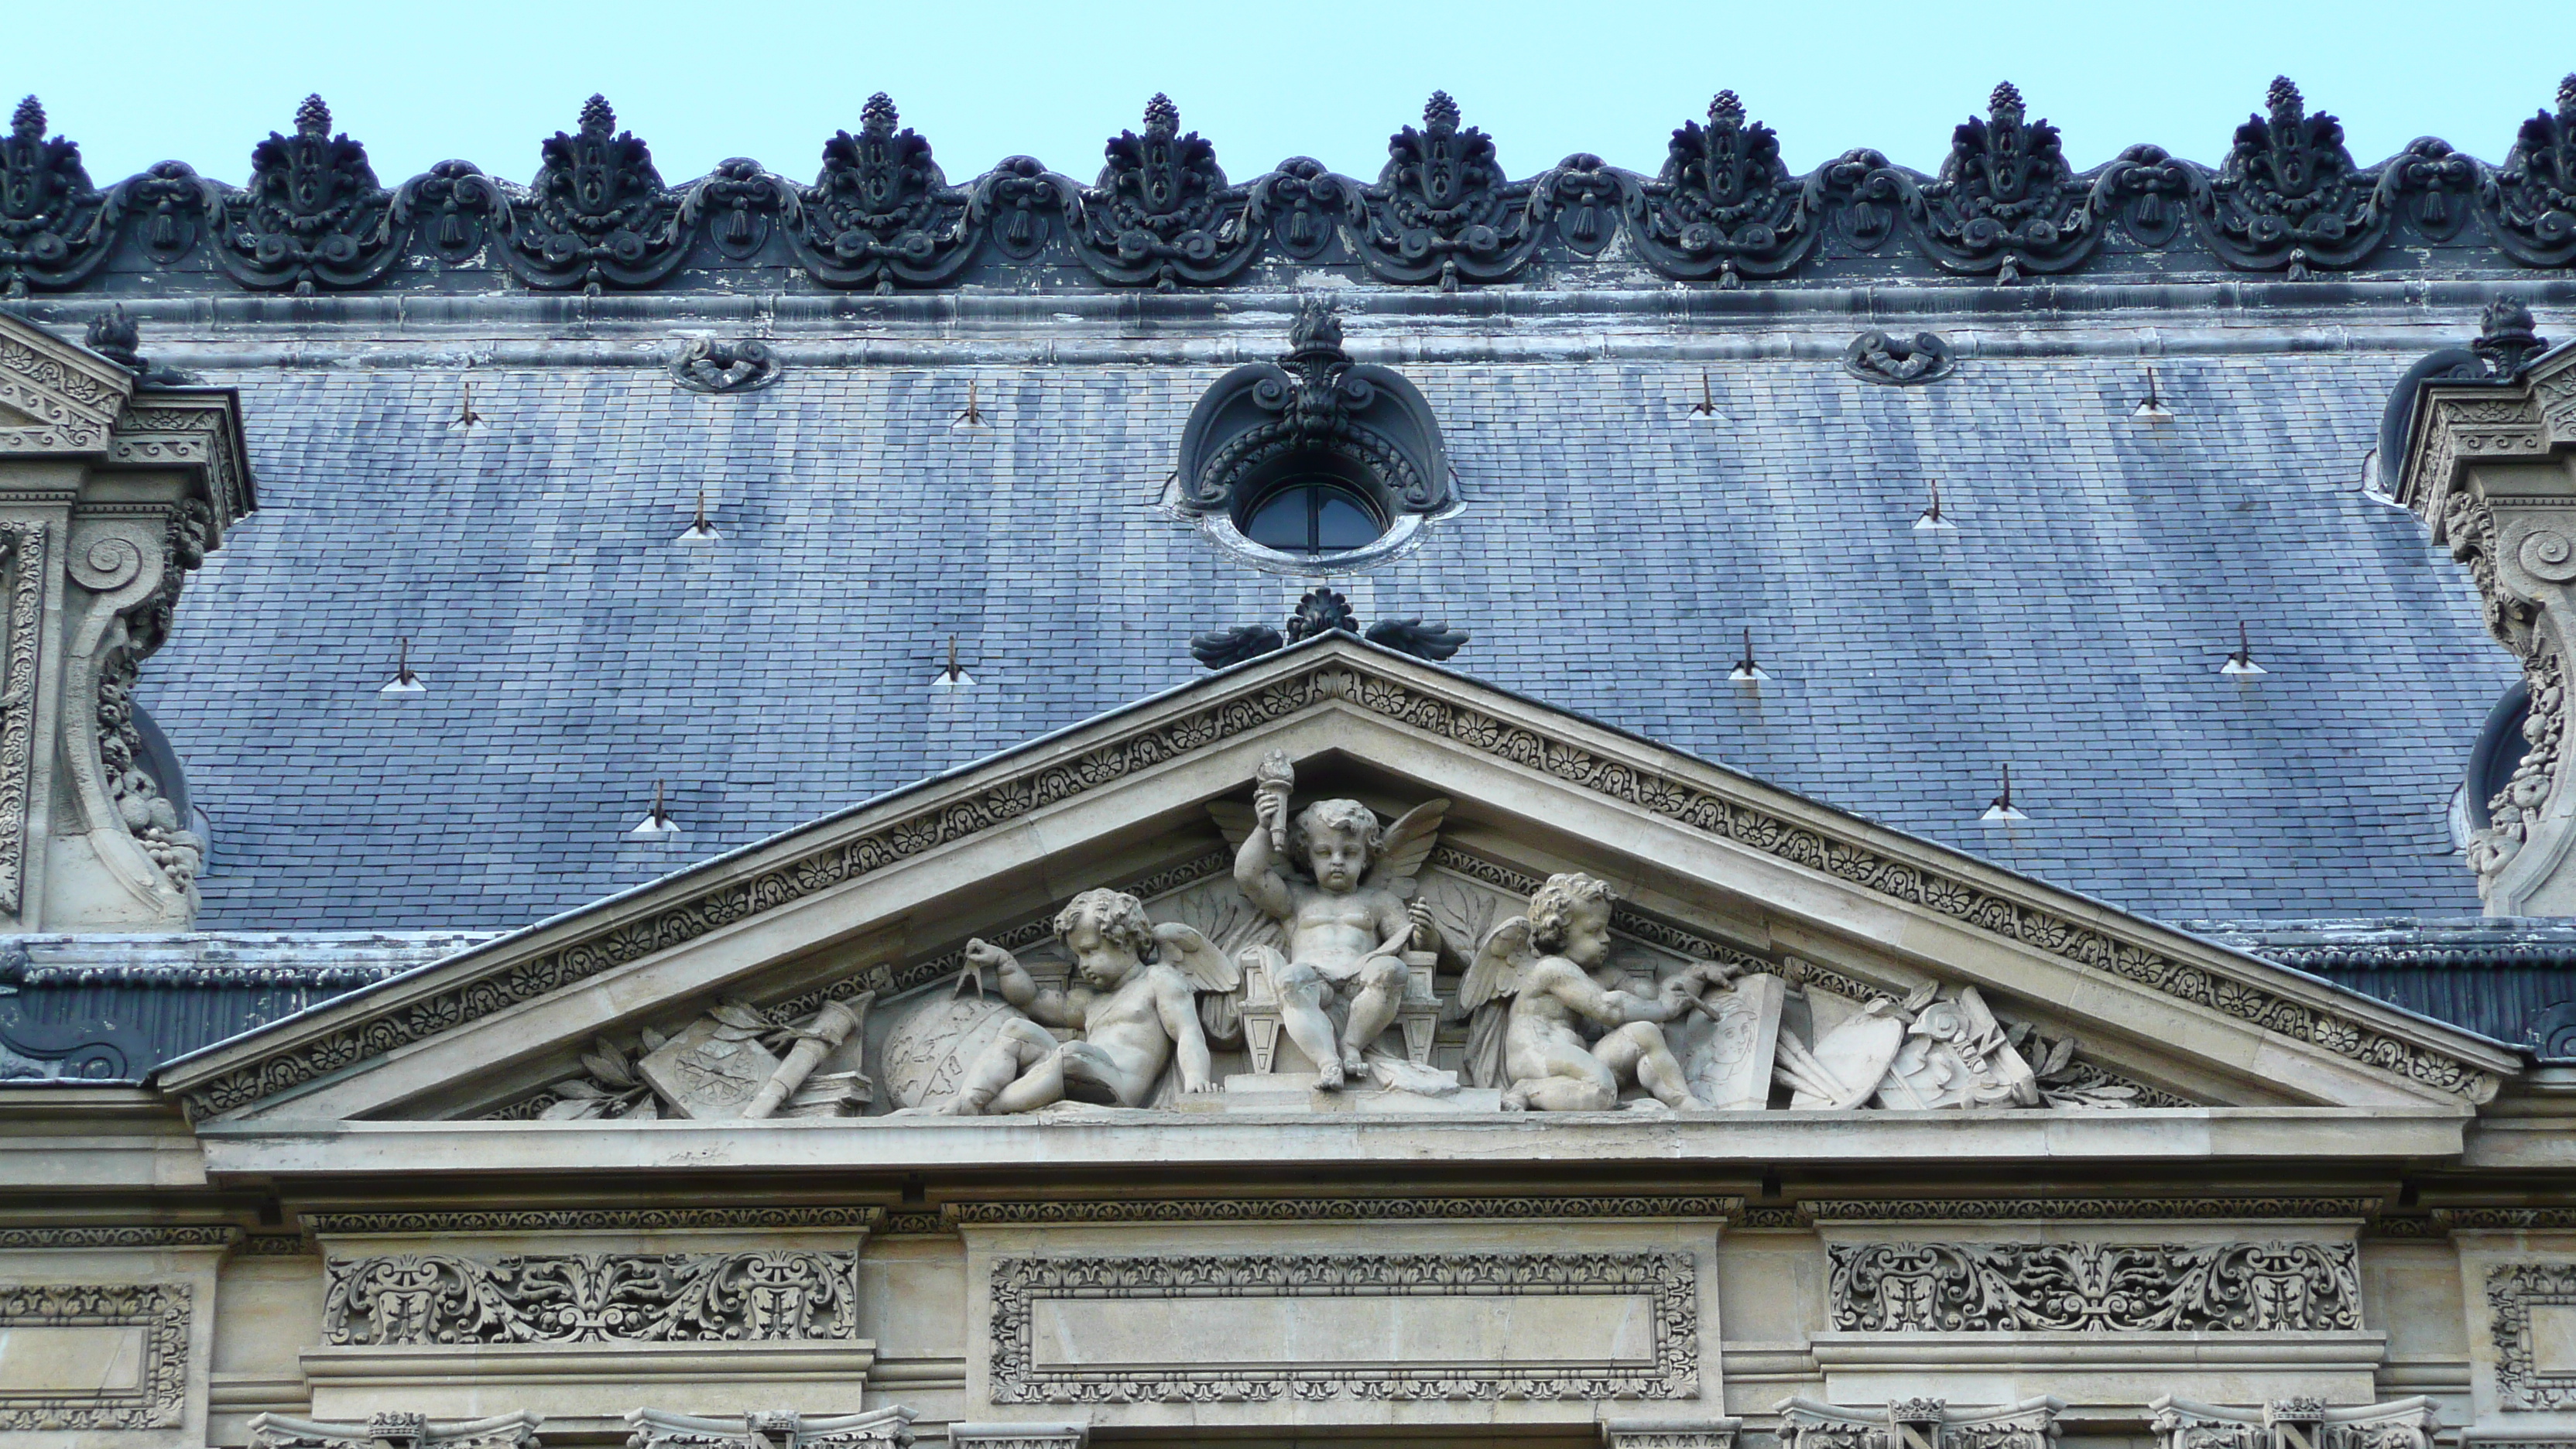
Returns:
point(862, 1219)
point(1339, 1209)
point(502, 981)
point(2087, 1209)
point(1670, 1279)
point(200, 1235)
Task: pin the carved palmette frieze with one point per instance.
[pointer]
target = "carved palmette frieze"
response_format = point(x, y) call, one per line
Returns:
point(312, 215)
point(2273, 1287)
point(2085, 1209)
point(507, 981)
point(431, 1298)
point(2294, 1424)
point(1670, 1434)
point(1018, 1436)
point(395, 1430)
point(174, 1235)
point(886, 1428)
point(1019, 1284)
point(1919, 1424)
point(2513, 1291)
point(158, 1395)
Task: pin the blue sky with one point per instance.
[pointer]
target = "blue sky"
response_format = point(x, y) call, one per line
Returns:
point(137, 83)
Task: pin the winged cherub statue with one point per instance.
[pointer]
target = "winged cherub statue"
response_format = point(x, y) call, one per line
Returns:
point(1134, 1000)
point(1337, 883)
point(1548, 965)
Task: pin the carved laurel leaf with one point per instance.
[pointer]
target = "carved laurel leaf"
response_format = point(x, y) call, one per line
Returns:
point(577, 1088)
point(608, 1064)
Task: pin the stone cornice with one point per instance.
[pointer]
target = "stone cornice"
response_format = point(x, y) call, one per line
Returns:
point(1333, 673)
point(152, 1235)
point(69, 395)
point(861, 1219)
point(2087, 1209)
point(1060, 1213)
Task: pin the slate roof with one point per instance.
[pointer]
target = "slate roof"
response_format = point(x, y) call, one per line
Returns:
point(1611, 550)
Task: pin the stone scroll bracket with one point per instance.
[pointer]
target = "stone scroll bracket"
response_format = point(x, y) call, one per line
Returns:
point(2490, 466)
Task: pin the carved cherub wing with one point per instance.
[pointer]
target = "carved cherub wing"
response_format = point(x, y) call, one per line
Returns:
point(1408, 843)
point(1495, 974)
point(1197, 958)
point(1235, 820)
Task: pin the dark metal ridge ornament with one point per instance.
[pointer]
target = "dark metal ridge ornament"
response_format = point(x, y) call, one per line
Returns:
point(2289, 194)
point(597, 213)
point(2006, 202)
point(735, 205)
point(55, 227)
point(451, 210)
point(881, 213)
point(711, 365)
point(313, 214)
point(2530, 201)
point(1360, 418)
point(1442, 209)
point(1724, 205)
point(1884, 357)
point(1161, 212)
point(1324, 611)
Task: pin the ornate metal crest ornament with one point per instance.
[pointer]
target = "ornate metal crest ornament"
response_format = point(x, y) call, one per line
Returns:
point(1322, 611)
point(2006, 201)
point(711, 366)
point(1161, 211)
point(1303, 204)
point(450, 209)
point(2289, 193)
point(1885, 357)
point(1442, 210)
point(735, 205)
point(1724, 205)
point(54, 226)
point(312, 215)
point(165, 204)
point(2531, 199)
point(597, 213)
point(881, 212)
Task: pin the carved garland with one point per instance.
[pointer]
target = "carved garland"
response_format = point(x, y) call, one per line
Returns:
point(505, 984)
point(436, 1298)
point(1670, 1279)
point(2512, 1290)
point(2275, 1287)
point(159, 1399)
point(22, 555)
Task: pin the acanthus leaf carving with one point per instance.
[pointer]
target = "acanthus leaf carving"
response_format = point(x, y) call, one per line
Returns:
point(597, 213)
point(886, 1428)
point(1162, 212)
point(1919, 1424)
point(1442, 209)
point(2530, 200)
point(313, 214)
point(2006, 202)
point(2088, 1287)
point(395, 1430)
point(1725, 205)
point(881, 213)
point(437, 1298)
point(54, 226)
point(2293, 1423)
point(2289, 194)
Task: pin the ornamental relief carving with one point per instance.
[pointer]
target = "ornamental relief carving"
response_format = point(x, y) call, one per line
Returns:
point(157, 1398)
point(395, 1431)
point(1937, 1026)
point(1668, 1281)
point(22, 575)
point(435, 1298)
point(2517, 1293)
point(2274, 1287)
point(1919, 1424)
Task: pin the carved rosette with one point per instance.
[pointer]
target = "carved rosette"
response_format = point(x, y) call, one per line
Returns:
point(2006, 202)
point(597, 214)
point(2289, 195)
point(54, 226)
point(2530, 201)
point(881, 213)
point(1161, 212)
point(1724, 205)
point(312, 215)
point(1442, 209)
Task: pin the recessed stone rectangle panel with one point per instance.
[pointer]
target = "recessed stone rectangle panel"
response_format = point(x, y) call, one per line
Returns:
point(82, 1360)
point(1493, 1334)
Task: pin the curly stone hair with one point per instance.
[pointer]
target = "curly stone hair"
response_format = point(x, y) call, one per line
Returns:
point(1551, 910)
point(1124, 920)
point(1335, 815)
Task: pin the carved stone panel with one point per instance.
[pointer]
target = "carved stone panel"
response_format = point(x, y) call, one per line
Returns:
point(94, 1355)
point(1314, 1327)
point(432, 1298)
point(2270, 1287)
point(2534, 1322)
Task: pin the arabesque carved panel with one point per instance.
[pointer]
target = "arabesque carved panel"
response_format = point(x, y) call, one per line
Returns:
point(2275, 1287)
point(429, 1298)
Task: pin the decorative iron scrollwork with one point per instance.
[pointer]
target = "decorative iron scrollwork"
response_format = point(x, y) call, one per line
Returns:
point(881, 212)
point(735, 205)
point(2289, 194)
point(2531, 199)
point(1315, 402)
point(1442, 209)
point(54, 226)
point(597, 212)
point(1302, 205)
point(312, 215)
point(2006, 202)
point(1161, 211)
point(1724, 205)
point(450, 209)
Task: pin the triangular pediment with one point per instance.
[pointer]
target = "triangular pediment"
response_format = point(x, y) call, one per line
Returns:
point(1820, 920)
point(54, 397)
